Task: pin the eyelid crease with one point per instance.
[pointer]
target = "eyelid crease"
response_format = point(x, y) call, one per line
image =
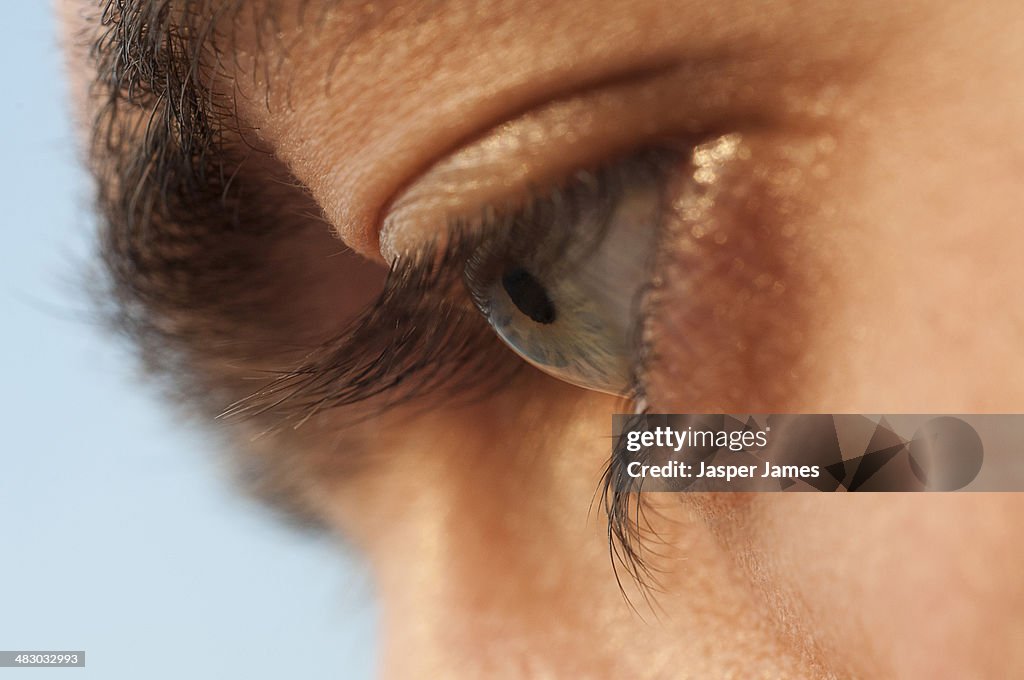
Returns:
point(564, 108)
point(689, 101)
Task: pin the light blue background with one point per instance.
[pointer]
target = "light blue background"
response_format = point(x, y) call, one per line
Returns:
point(119, 532)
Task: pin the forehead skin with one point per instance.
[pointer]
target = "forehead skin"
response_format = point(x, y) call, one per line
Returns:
point(489, 557)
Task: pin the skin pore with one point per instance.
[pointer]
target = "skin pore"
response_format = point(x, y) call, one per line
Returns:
point(858, 252)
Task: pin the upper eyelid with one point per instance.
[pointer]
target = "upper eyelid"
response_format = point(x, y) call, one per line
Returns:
point(541, 146)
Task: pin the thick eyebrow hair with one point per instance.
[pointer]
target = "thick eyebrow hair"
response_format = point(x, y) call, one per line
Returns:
point(201, 233)
point(205, 241)
point(159, 163)
point(198, 227)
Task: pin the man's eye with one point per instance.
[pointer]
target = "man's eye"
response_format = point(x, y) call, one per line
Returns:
point(561, 280)
point(562, 285)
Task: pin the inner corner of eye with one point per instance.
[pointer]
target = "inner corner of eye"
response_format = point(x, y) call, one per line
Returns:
point(559, 281)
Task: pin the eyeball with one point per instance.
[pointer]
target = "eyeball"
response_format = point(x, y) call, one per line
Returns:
point(566, 300)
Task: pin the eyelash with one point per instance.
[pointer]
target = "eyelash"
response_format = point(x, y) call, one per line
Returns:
point(411, 342)
point(423, 335)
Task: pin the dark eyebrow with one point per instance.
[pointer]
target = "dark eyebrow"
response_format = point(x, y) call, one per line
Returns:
point(204, 237)
point(161, 171)
point(148, 59)
point(207, 243)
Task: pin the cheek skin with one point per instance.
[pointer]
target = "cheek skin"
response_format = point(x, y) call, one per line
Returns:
point(911, 574)
point(925, 317)
point(491, 560)
point(920, 215)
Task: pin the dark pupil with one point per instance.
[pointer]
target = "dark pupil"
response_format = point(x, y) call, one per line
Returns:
point(529, 295)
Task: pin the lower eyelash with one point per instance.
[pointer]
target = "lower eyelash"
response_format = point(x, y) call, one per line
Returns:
point(622, 501)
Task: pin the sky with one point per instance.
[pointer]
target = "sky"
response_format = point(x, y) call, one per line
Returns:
point(120, 532)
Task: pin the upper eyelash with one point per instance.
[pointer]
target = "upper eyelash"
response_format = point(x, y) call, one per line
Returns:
point(412, 341)
point(422, 335)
